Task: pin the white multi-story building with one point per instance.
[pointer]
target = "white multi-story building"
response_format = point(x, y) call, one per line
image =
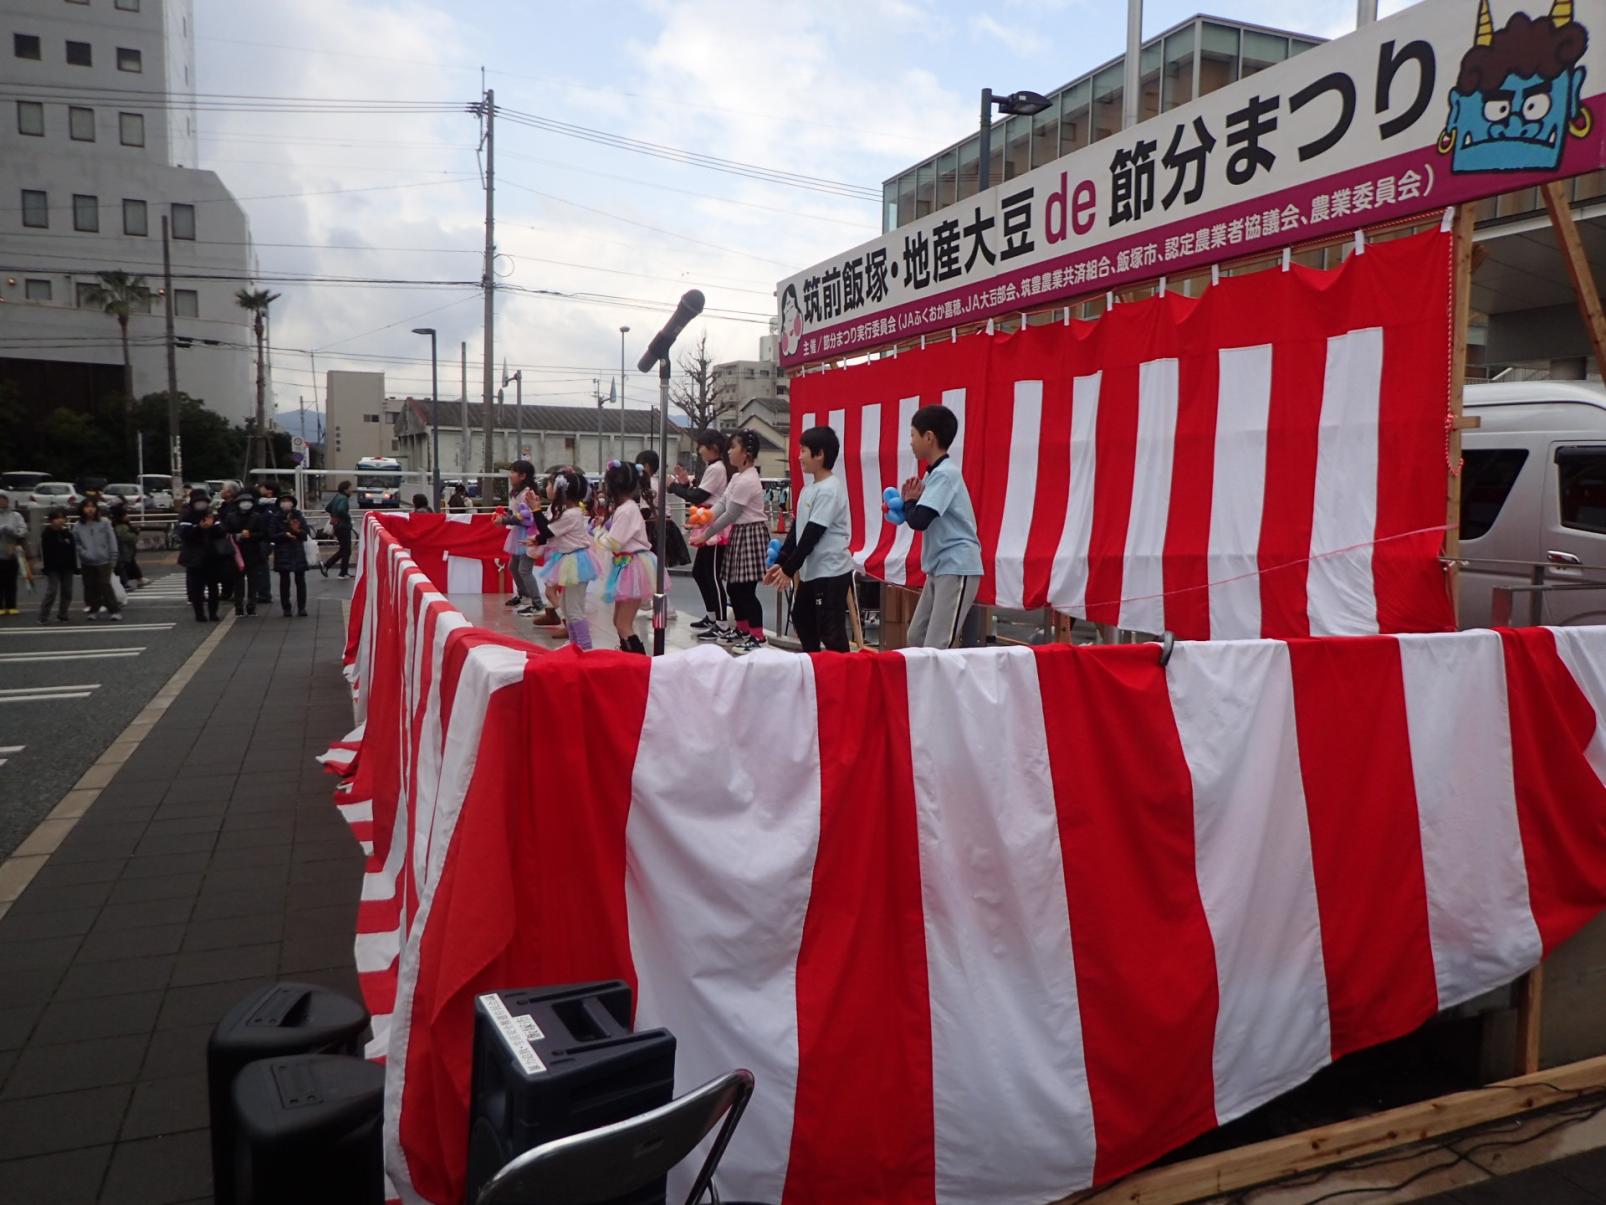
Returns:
point(97, 145)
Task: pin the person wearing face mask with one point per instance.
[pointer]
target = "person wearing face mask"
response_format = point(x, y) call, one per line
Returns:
point(289, 534)
point(247, 524)
point(267, 507)
point(197, 528)
point(13, 533)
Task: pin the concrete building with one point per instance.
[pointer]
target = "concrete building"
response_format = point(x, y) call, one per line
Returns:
point(756, 395)
point(98, 138)
point(551, 435)
point(359, 419)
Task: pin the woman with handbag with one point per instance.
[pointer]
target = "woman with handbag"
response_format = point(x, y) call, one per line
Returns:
point(290, 532)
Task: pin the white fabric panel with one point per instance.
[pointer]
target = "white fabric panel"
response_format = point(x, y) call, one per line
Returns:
point(1067, 587)
point(720, 859)
point(1006, 1028)
point(1238, 493)
point(1143, 579)
point(1583, 651)
point(954, 399)
point(1340, 597)
point(1234, 709)
point(1026, 435)
point(870, 486)
point(898, 555)
point(1479, 921)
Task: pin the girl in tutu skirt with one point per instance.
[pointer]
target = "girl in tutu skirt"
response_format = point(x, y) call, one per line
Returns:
point(571, 560)
point(624, 551)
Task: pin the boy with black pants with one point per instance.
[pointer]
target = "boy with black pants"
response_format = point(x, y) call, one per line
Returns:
point(60, 556)
point(815, 555)
point(938, 505)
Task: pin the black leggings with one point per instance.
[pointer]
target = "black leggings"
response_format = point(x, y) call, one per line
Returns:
point(705, 572)
point(342, 549)
point(300, 576)
point(200, 584)
point(745, 607)
point(8, 583)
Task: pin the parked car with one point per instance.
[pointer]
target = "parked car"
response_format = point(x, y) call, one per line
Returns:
point(19, 483)
point(130, 494)
point(158, 489)
point(1533, 500)
point(53, 493)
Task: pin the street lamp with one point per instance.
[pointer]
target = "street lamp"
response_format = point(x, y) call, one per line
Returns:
point(518, 408)
point(623, 331)
point(434, 413)
point(1016, 104)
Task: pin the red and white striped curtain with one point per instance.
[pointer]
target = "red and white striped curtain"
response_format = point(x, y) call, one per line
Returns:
point(1265, 460)
point(988, 926)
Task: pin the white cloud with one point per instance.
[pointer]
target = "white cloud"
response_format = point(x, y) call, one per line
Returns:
point(1020, 40)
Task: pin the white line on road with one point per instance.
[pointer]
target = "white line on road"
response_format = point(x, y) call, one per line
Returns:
point(43, 630)
point(29, 690)
point(47, 698)
point(97, 655)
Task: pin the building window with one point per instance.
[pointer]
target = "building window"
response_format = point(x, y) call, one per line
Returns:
point(128, 6)
point(77, 1)
point(129, 60)
point(36, 290)
point(31, 118)
point(184, 221)
point(370, 418)
point(85, 293)
point(78, 54)
point(25, 45)
point(131, 128)
point(81, 124)
point(35, 208)
point(186, 303)
point(85, 212)
point(135, 219)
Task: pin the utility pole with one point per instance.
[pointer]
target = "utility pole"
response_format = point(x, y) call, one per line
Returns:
point(175, 456)
point(602, 456)
point(623, 331)
point(489, 112)
point(465, 455)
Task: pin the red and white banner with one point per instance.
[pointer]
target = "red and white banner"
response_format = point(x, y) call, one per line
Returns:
point(1267, 459)
point(920, 895)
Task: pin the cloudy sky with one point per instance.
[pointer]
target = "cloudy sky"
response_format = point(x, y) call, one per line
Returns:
point(839, 90)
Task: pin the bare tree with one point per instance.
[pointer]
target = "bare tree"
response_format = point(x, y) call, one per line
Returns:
point(696, 393)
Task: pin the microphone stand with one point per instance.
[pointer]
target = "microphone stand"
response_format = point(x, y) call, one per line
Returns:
point(660, 599)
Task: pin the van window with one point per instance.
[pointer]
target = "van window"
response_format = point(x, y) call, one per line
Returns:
point(1487, 475)
point(1581, 482)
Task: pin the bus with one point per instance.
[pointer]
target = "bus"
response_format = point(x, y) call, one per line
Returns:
point(379, 480)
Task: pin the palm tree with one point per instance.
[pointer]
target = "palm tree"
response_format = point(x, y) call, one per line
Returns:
point(120, 295)
point(258, 301)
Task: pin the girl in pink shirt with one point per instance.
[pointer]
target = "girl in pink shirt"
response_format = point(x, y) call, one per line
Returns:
point(623, 546)
point(571, 561)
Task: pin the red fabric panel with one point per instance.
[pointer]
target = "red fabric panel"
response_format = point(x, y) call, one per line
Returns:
point(1125, 802)
point(864, 1129)
point(1112, 492)
point(1187, 533)
point(1366, 845)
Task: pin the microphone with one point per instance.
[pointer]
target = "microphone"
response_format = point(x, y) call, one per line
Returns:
point(690, 306)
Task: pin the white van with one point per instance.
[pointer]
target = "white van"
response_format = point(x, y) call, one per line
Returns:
point(1533, 501)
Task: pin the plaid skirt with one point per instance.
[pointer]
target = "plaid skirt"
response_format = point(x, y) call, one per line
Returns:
point(744, 555)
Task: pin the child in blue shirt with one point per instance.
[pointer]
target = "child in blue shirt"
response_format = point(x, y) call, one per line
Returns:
point(939, 507)
point(815, 556)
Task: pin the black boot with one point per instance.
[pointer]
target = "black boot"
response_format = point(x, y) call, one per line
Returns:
point(634, 645)
point(200, 615)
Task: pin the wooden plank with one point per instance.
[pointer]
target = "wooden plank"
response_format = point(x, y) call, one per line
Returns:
point(1460, 314)
point(1530, 998)
point(855, 624)
point(1577, 261)
point(1294, 1154)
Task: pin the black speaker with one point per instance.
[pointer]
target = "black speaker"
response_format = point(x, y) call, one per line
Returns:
point(555, 1061)
point(281, 1019)
point(308, 1131)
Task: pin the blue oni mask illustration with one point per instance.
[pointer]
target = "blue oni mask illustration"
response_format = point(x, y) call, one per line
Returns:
point(1519, 94)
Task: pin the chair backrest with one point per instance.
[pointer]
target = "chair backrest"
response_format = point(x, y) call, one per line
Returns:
point(612, 1160)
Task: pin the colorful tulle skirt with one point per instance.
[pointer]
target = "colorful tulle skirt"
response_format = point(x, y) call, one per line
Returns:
point(631, 575)
point(569, 568)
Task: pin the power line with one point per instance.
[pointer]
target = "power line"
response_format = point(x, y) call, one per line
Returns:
point(281, 196)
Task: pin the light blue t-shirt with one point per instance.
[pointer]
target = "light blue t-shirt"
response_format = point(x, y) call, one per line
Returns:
point(825, 502)
point(950, 544)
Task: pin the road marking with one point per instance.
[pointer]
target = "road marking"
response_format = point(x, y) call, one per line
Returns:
point(31, 690)
point(43, 630)
point(7, 750)
point(97, 655)
point(47, 698)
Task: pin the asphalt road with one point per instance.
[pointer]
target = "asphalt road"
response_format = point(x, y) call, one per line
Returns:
point(68, 690)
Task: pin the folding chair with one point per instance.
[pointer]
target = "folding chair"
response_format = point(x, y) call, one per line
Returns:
point(612, 1160)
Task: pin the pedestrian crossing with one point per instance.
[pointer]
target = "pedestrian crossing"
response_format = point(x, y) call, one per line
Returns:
point(42, 655)
point(48, 694)
point(9, 751)
point(109, 629)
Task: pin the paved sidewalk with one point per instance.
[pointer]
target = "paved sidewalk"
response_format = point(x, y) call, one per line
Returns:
point(212, 861)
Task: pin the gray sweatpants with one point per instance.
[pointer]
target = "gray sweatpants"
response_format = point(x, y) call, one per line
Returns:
point(525, 584)
point(940, 614)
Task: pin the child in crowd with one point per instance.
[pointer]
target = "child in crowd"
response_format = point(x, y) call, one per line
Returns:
point(938, 505)
point(815, 554)
point(632, 569)
point(97, 554)
point(741, 509)
point(60, 557)
point(706, 567)
point(13, 555)
point(571, 562)
point(128, 570)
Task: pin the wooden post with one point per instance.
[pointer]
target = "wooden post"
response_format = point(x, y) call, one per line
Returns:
point(897, 608)
point(855, 624)
point(1460, 314)
point(1572, 253)
point(1530, 995)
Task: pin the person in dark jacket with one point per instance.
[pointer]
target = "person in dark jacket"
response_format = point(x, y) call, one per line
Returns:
point(248, 526)
point(60, 556)
point(267, 506)
point(199, 534)
point(229, 571)
point(290, 531)
point(339, 508)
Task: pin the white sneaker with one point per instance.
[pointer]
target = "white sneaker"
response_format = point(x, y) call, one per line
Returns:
point(116, 617)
